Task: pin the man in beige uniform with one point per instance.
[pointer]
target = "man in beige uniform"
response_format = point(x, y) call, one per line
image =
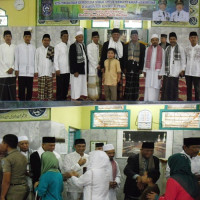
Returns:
point(14, 184)
point(2, 155)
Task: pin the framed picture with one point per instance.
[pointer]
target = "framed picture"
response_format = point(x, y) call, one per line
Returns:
point(93, 143)
point(133, 24)
point(100, 23)
point(129, 142)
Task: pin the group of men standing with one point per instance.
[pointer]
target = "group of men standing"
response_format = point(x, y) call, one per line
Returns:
point(169, 65)
point(161, 63)
point(25, 61)
point(82, 67)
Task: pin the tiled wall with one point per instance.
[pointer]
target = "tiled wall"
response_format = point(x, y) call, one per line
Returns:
point(38, 32)
point(54, 31)
point(35, 130)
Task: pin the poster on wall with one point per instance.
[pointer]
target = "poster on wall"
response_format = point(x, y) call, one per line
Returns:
point(130, 142)
point(178, 13)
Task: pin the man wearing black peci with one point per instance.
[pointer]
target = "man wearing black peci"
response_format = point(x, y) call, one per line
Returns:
point(136, 166)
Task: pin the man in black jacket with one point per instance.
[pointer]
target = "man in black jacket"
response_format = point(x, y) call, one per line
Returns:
point(115, 43)
point(48, 144)
point(137, 165)
point(134, 61)
point(78, 68)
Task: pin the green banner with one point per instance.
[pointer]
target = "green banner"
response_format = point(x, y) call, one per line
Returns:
point(39, 114)
point(161, 13)
point(58, 10)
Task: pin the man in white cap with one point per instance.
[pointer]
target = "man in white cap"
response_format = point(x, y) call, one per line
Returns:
point(23, 144)
point(78, 68)
point(153, 69)
point(113, 171)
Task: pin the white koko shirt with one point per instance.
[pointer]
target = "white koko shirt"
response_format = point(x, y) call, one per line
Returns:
point(61, 58)
point(195, 165)
point(25, 59)
point(43, 65)
point(93, 57)
point(112, 192)
point(70, 163)
point(192, 61)
point(7, 59)
point(176, 66)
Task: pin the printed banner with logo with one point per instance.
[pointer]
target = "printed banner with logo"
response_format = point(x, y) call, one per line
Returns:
point(59, 10)
point(39, 114)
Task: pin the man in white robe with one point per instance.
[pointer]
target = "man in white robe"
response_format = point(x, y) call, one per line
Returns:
point(44, 69)
point(175, 64)
point(153, 69)
point(78, 68)
point(7, 75)
point(95, 181)
point(25, 67)
point(61, 65)
point(191, 148)
point(76, 161)
point(93, 52)
point(192, 70)
point(113, 170)
point(23, 144)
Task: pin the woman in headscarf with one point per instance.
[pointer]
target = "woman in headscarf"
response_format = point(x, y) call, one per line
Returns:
point(182, 184)
point(95, 181)
point(51, 180)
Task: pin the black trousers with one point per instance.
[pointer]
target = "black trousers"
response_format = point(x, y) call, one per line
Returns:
point(8, 89)
point(127, 197)
point(62, 86)
point(192, 80)
point(99, 73)
point(132, 86)
point(25, 88)
point(171, 88)
point(163, 88)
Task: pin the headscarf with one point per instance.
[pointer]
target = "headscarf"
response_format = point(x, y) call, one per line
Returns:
point(180, 170)
point(98, 160)
point(49, 162)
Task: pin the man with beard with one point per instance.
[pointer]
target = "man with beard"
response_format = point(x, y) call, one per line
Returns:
point(153, 69)
point(114, 171)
